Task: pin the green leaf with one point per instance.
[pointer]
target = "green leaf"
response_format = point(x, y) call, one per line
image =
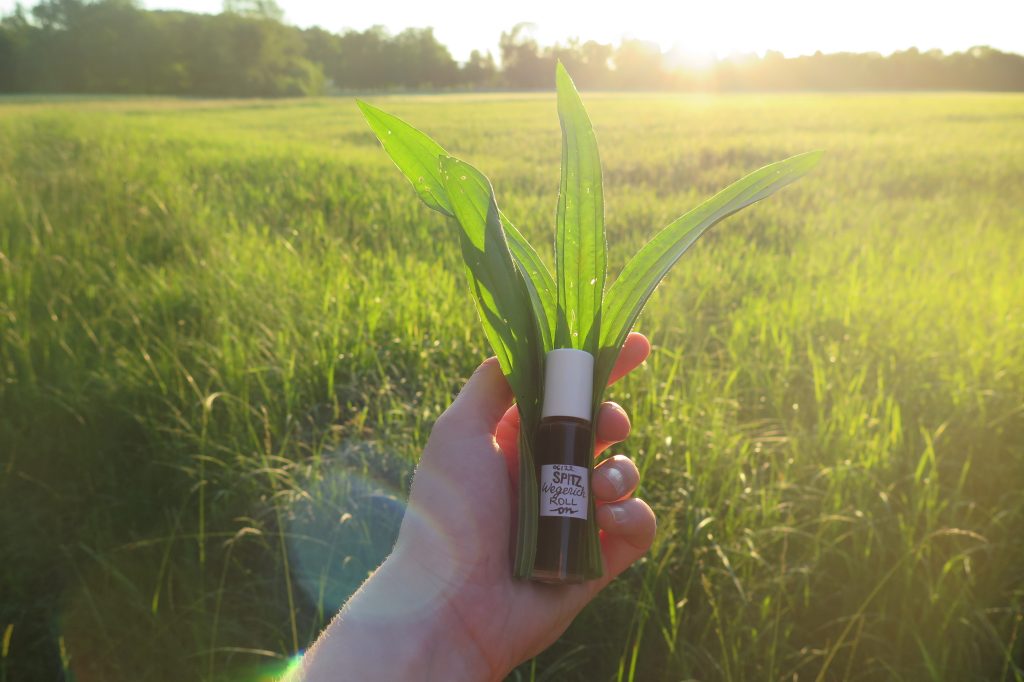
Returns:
point(580, 256)
point(539, 283)
point(418, 157)
point(503, 302)
point(580, 248)
point(630, 291)
point(498, 285)
point(415, 154)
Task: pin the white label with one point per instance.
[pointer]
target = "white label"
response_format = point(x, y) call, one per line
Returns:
point(564, 490)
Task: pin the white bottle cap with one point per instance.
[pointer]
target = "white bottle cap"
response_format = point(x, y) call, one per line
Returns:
point(568, 383)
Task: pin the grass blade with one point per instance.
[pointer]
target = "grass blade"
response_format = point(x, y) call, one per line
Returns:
point(629, 293)
point(580, 248)
point(418, 157)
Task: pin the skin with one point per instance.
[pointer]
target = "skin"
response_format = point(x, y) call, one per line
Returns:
point(444, 604)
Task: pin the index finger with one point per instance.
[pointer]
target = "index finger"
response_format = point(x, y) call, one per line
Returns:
point(634, 351)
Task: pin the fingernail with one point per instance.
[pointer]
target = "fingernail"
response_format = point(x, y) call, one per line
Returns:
point(617, 480)
point(619, 513)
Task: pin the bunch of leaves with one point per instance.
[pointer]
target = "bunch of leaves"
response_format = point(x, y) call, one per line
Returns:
point(524, 310)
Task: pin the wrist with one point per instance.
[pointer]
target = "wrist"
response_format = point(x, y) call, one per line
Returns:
point(398, 625)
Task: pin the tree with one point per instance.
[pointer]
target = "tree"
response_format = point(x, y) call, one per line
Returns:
point(323, 48)
point(480, 71)
point(422, 60)
point(523, 64)
point(115, 46)
point(16, 37)
point(639, 66)
point(243, 56)
point(589, 62)
point(261, 9)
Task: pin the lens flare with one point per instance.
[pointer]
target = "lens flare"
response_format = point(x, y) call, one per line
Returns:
point(347, 523)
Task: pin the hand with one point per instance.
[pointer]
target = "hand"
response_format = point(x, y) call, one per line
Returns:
point(445, 601)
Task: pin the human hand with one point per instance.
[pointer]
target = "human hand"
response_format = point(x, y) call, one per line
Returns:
point(445, 599)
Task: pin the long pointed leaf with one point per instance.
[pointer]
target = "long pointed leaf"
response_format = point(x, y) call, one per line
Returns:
point(500, 292)
point(580, 248)
point(418, 157)
point(415, 154)
point(497, 283)
point(629, 293)
point(539, 283)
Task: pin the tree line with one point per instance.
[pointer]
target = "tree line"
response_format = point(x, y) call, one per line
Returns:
point(113, 46)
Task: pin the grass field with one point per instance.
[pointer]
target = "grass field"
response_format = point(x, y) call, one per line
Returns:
point(227, 327)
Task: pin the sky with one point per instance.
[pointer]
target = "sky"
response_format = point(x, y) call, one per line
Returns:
point(704, 28)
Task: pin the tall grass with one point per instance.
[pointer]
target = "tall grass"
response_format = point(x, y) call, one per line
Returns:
point(226, 329)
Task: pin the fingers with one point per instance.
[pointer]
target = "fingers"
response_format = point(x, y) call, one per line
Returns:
point(507, 432)
point(612, 427)
point(612, 422)
point(634, 351)
point(627, 531)
point(614, 479)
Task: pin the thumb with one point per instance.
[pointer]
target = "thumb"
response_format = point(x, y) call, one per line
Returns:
point(481, 403)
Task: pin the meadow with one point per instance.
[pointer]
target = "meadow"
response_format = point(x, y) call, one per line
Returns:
point(226, 328)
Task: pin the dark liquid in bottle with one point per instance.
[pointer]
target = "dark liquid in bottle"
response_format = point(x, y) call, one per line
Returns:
point(561, 537)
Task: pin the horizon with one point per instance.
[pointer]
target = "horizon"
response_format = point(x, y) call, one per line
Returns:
point(703, 33)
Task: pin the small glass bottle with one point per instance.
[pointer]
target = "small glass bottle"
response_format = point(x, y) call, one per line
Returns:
point(562, 457)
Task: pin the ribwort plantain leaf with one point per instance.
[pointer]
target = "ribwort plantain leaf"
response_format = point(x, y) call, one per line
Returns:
point(580, 247)
point(581, 255)
point(498, 285)
point(417, 156)
point(629, 293)
point(509, 323)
